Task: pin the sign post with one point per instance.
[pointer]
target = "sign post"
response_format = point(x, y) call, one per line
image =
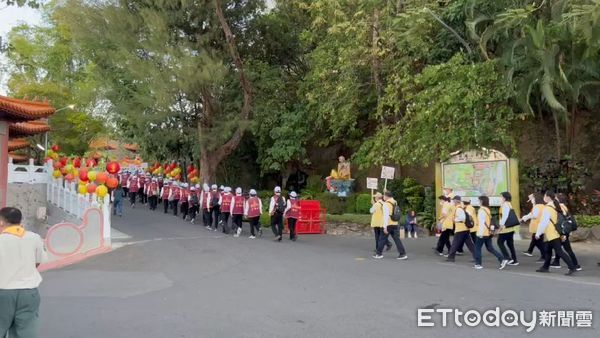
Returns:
point(387, 173)
point(372, 184)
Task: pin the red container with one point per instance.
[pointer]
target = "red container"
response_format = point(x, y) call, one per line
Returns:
point(312, 218)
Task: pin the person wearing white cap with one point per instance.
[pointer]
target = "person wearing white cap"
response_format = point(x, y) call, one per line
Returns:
point(194, 204)
point(174, 197)
point(226, 199)
point(215, 207)
point(164, 194)
point(184, 201)
point(253, 210)
point(237, 211)
point(153, 194)
point(292, 213)
point(205, 205)
point(277, 207)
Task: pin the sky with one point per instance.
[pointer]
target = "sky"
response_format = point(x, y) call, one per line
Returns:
point(9, 17)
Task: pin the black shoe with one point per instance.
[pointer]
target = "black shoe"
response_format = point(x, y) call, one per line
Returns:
point(294, 239)
point(541, 260)
point(578, 268)
point(460, 253)
point(570, 272)
point(388, 247)
point(541, 270)
point(450, 260)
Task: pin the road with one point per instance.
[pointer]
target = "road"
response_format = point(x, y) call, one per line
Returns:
point(175, 279)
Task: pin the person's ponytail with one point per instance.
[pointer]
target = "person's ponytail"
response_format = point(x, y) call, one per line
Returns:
point(551, 195)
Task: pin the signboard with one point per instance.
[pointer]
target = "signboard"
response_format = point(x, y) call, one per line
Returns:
point(388, 173)
point(145, 165)
point(372, 183)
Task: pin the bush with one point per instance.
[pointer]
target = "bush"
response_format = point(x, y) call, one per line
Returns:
point(413, 193)
point(265, 220)
point(427, 218)
point(363, 203)
point(396, 187)
point(349, 218)
point(333, 204)
point(351, 204)
point(587, 221)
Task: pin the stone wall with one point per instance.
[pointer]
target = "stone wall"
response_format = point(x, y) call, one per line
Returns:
point(30, 199)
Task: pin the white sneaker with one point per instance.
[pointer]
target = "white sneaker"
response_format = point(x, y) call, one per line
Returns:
point(207, 227)
point(409, 235)
point(402, 258)
point(378, 256)
point(252, 237)
point(215, 229)
point(239, 231)
point(477, 267)
point(513, 263)
point(416, 236)
point(503, 264)
point(527, 253)
point(236, 235)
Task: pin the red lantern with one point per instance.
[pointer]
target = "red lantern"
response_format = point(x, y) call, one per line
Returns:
point(58, 165)
point(90, 163)
point(55, 148)
point(113, 167)
point(77, 162)
point(69, 177)
point(83, 175)
point(112, 182)
point(91, 188)
point(190, 168)
point(101, 177)
point(63, 161)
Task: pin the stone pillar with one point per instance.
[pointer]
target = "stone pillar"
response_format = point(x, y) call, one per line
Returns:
point(3, 162)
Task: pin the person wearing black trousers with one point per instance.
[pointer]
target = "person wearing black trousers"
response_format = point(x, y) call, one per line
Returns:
point(164, 195)
point(253, 210)
point(534, 217)
point(276, 209)
point(461, 231)
point(215, 207)
point(447, 225)
point(566, 244)
point(507, 230)
point(292, 213)
point(238, 203)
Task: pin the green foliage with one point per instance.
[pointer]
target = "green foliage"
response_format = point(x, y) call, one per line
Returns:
point(396, 187)
point(331, 203)
point(427, 218)
point(314, 187)
point(413, 192)
point(351, 204)
point(349, 218)
point(565, 175)
point(588, 221)
point(363, 203)
point(265, 220)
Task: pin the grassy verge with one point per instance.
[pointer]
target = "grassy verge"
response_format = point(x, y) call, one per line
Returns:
point(349, 218)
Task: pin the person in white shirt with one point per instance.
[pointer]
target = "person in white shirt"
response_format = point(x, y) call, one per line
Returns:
point(277, 206)
point(534, 217)
point(461, 231)
point(21, 252)
point(485, 232)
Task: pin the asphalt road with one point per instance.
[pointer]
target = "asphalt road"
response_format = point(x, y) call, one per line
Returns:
point(175, 279)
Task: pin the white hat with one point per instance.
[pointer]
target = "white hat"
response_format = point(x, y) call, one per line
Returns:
point(221, 187)
point(193, 188)
point(227, 189)
point(197, 186)
point(277, 189)
point(214, 186)
point(238, 190)
point(252, 192)
point(185, 185)
point(206, 187)
point(293, 194)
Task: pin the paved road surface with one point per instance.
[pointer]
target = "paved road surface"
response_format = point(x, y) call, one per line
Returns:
point(175, 279)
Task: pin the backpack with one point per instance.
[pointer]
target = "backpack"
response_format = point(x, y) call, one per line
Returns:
point(565, 224)
point(396, 212)
point(214, 201)
point(194, 200)
point(280, 205)
point(469, 221)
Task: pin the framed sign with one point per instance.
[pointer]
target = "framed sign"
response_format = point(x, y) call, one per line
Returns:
point(372, 183)
point(388, 172)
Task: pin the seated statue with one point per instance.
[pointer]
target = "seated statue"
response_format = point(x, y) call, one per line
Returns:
point(340, 181)
point(343, 170)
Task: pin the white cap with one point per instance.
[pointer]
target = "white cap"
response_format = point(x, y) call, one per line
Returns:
point(293, 194)
point(193, 188)
point(197, 186)
point(238, 190)
point(277, 189)
point(185, 185)
point(206, 187)
point(227, 189)
point(252, 192)
point(214, 186)
point(221, 187)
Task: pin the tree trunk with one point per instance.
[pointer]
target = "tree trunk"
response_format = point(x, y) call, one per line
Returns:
point(375, 61)
point(557, 134)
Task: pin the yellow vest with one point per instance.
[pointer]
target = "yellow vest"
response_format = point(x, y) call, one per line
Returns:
point(511, 229)
point(471, 211)
point(377, 216)
point(391, 203)
point(488, 220)
point(448, 221)
point(550, 232)
point(534, 222)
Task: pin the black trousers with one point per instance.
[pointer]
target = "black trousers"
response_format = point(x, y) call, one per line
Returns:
point(132, 196)
point(153, 200)
point(567, 248)
point(277, 224)
point(510, 242)
point(193, 211)
point(556, 245)
point(536, 243)
point(236, 220)
point(292, 226)
point(254, 224)
point(460, 239)
point(444, 240)
point(143, 197)
point(215, 212)
point(393, 231)
point(206, 217)
point(166, 205)
point(224, 221)
point(174, 204)
point(184, 208)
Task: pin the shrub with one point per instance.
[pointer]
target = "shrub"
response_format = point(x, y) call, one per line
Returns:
point(427, 218)
point(351, 204)
point(396, 187)
point(333, 204)
point(265, 220)
point(363, 203)
point(587, 221)
point(413, 193)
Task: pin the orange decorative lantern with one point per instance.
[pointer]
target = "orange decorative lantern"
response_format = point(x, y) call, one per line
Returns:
point(77, 162)
point(91, 188)
point(112, 183)
point(101, 191)
point(101, 177)
point(55, 148)
point(90, 163)
point(113, 167)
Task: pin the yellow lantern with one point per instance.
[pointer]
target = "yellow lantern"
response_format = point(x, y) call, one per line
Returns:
point(92, 176)
point(101, 191)
point(82, 189)
point(56, 173)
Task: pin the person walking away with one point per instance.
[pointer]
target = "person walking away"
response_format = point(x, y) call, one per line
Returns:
point(226, 199)
point(164, 195)
point(410, 228)
point(215, 206)
point(153, 191)
point(566, 244)
point(184, 202)
point(253, 210)
point(117, 197)
point(133, 187)
point(124, 180)
point(292, 213)
point(276, 209)
point(447, 225)
point(508, 225)
point(462, 224)
point(485, 232)
point(205, 205)
point(238, 203)
point(377, 218)
point(552, 238)
point(194, 204)
point(390, 228)
point(470, 210)
point(534, 217)
point(142, 189)
point(174, 197)
point(21, 252)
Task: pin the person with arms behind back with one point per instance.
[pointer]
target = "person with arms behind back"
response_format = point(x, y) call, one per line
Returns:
point(21, 252)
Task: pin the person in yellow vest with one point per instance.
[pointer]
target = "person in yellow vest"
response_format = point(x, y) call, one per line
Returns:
point(508, 226)
point(566, 244)
point(21, 252)
point(485, 231)
point(390, 228)
point(551, 237)
point(461, 232)
point(469, 209)
point(377, 217)
point(534, 217)
point(447, 222)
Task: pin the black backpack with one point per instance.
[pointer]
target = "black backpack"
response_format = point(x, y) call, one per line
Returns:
point(280, 205)
point(214, 201)
point(396, 212)
point(194, 200)
point(469, 221)
point(565, 224)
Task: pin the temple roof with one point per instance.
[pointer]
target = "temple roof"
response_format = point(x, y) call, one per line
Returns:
point(104, 143)
point(16, 144)
point(18, 158)
point(131, 147)
point(28, 128)
point(15, 110)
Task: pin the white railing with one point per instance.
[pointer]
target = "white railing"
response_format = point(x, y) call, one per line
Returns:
point(27, 173)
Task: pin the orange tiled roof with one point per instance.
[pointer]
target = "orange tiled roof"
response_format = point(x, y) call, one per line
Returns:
point(28, 128)
point(131, 147)
point(23, 110)
point(104, 143)
point(18, 158)
point(16, 144)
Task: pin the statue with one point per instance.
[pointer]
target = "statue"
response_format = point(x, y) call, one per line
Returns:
point(340, 181)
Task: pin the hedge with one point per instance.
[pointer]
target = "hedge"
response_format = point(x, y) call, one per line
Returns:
point(587, 221)
point(363, 203)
